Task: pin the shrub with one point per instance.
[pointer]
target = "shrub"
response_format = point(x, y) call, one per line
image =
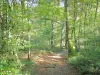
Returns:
point(8, 67)
point(88, 63)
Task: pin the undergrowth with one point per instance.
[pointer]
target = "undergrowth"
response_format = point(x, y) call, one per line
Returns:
point(88, 63)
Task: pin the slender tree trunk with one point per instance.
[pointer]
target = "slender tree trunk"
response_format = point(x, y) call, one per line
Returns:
point(75, 16)
point(29, 39)
point(97, 3)
point(85, 19)
point(52, 34)
point(79, 32)
point(3, 24)
point(67, 26)
point(62, 31)
point(29, 35)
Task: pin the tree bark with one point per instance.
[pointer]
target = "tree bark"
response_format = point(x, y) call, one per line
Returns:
point(75, 16)
point(52, 34)
point(97, 3)
point(62, 31)
point(67, 26)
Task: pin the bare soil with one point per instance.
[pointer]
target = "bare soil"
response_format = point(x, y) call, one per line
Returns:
point(50, 64)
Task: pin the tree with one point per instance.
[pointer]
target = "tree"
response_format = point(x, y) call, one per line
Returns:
point(67, 26)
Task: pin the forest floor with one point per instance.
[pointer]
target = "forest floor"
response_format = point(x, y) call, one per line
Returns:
point(48, 64)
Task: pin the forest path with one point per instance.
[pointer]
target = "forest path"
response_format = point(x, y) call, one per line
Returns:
point(51, 64)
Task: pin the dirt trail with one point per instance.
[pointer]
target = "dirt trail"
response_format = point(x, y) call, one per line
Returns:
point(52, 64)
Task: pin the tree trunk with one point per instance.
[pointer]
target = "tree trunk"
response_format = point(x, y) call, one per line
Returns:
point(29, 51)
point(97, 3)
point(75, 16)
point(52, 34)
point(67, 26)
point(62, 31)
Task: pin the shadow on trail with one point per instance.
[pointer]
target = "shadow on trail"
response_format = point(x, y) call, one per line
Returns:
point(47, 64)
point(27, 67)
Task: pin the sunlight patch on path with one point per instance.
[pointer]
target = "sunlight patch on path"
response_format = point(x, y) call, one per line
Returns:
point(49, 59)
point(50, 64)
point(55, 57)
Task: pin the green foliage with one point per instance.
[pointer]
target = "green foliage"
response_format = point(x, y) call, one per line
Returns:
point(24, 27)
point(87, 62)
point(27, 67)
point(72, 51)
point(8, 67)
